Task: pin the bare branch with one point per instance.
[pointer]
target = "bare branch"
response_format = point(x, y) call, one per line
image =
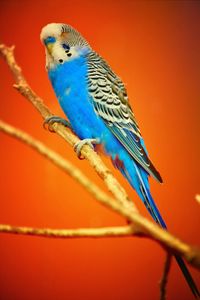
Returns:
point(197, 197)
point(122, 231)
point(142, 226)
point(164, 279)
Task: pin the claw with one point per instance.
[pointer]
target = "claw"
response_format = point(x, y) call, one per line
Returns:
point(54, 119)
point(79, 145)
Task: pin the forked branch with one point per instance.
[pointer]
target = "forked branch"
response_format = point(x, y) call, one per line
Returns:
point(123, 206)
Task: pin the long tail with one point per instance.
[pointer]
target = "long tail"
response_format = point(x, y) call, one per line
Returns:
point(139, 181)
point(188, 277)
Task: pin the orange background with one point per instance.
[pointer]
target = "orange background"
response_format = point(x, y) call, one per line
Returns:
point(154, 47)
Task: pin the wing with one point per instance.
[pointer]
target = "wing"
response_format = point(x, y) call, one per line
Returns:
point(110, 102)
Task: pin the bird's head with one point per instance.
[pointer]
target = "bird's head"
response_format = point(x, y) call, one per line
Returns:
point(62, 43)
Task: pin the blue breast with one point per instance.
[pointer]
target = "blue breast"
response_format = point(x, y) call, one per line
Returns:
point(70, 85)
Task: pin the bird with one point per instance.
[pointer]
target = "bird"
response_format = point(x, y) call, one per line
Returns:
point(95, 101)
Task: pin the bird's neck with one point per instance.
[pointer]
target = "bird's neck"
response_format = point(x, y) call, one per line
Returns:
point(68, 75)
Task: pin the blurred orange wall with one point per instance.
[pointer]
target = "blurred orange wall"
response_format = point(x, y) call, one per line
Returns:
point(154, 47)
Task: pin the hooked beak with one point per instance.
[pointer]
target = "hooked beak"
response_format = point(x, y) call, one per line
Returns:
point(49, 48)
point(49, 42)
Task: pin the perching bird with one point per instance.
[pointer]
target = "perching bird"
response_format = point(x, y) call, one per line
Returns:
point(95, 102)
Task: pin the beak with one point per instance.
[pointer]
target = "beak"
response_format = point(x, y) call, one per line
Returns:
point(49, 41)
point(49, 47)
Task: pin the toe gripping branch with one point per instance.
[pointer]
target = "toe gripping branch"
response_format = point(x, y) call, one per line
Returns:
point(79, 145)
point(54, 119)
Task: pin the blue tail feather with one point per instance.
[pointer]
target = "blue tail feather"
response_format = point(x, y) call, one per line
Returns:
point(138, 179)
point(187, 276)
point(179, 260)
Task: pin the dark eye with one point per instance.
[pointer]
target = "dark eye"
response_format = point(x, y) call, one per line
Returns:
point(66, 47)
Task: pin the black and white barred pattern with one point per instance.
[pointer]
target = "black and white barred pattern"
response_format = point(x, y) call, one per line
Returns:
point(73, 37)
point(110, 101)
point(109, 95)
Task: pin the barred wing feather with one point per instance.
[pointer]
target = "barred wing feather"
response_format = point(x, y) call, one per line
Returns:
point(110, 101)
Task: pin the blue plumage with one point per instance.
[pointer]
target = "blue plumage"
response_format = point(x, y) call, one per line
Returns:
point(96, 103)
point(72, 94)
point(74, 98)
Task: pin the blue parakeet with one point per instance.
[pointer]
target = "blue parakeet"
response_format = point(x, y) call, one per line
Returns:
point(96, 104)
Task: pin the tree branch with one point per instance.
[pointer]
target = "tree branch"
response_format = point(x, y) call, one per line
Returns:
point(120, 231)
point(142, 227)
point(197, 197)
point(164, 279)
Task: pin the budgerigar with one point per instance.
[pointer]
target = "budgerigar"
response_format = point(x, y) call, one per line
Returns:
point(96, 104)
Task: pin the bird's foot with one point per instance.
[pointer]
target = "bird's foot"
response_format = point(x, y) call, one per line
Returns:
point(54, 119)
point(79, 145)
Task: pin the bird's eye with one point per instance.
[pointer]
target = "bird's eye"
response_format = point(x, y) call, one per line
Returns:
point(66, 47)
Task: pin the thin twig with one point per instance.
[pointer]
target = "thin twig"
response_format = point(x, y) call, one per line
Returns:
point(120, 231)
point(197, 197)
point(164, 279)
point(123, 206)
